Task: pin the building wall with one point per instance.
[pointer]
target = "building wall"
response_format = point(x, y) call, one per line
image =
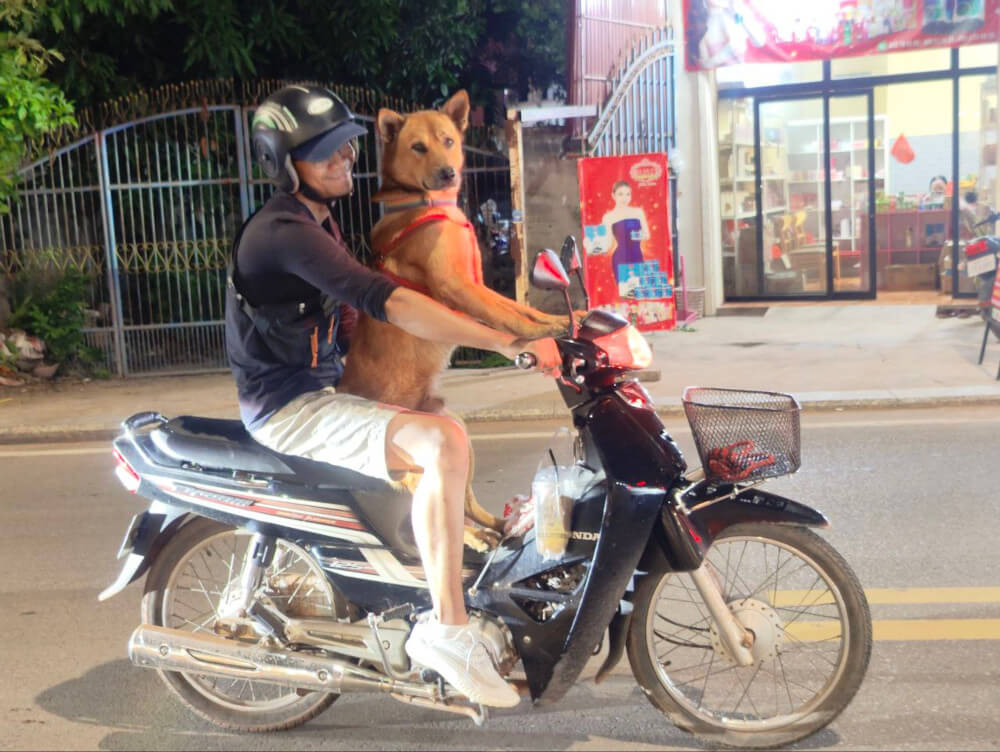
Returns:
point(699, 234)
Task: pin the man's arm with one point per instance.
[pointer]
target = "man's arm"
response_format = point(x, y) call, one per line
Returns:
point(425, 318)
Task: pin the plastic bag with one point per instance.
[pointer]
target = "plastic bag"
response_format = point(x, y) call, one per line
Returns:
point(902, 150)
point(559, 481)
point(553, 512)
point(518, 516)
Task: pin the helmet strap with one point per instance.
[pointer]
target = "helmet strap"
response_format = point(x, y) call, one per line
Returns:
point(311, 193)
point(292, 182)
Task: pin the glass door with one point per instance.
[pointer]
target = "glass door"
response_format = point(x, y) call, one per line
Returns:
point(792, 224)
point(857, 173)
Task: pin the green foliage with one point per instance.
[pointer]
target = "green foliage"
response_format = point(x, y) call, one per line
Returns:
point(56, 316)
point(30, 105)
point(418, 51)
point(470, 357)
point(8, 356)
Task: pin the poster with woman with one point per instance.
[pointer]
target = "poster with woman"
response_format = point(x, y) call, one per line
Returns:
point(628, 264)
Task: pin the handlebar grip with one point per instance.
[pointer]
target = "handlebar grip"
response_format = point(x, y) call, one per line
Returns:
point(525, 361)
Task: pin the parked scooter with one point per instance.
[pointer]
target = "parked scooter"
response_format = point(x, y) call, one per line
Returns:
point(981, 258)
point(494, 239)
point(274, 584)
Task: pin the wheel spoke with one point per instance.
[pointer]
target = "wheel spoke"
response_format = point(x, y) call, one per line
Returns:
point(806, 659)
point(203, 576)
point(746, 689)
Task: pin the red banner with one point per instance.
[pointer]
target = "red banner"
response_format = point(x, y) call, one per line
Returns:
point(729, 32)
point(626, 237)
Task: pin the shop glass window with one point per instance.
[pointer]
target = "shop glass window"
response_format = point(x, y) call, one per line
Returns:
point(913, 204)
point(977, 55)
point(737, 177)
point(768, 74)
point(977, 171)
point(794, 254)
point(892, 63)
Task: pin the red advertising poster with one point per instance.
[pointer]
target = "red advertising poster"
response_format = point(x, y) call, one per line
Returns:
point(728, 32)
point(628, 262)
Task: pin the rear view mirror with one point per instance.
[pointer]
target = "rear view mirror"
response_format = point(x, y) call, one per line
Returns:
point(570, 255)
point(548, 272)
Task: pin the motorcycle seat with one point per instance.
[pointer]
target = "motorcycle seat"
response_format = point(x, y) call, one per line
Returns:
point(222, 444)
point(216, 443)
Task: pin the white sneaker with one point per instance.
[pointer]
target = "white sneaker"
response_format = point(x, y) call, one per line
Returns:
point(462, 658)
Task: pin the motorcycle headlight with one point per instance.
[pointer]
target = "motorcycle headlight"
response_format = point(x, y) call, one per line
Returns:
point(626, 348)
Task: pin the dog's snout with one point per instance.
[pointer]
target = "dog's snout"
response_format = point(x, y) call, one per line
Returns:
point(446, 174)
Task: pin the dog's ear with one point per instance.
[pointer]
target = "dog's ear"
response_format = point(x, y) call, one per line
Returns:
point(457, 108)
point(388, 124)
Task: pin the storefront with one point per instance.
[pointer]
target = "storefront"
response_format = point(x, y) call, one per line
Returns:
point(845, 178)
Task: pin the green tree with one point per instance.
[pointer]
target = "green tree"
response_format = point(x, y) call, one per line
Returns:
point(30, 105)
point(417, 51)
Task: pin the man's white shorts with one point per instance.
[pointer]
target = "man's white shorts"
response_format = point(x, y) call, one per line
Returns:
point(341, 429)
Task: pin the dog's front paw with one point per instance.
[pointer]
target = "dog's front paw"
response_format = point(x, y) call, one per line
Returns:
point(481, 539)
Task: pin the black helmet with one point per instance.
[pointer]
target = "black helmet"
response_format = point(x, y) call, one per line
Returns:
point(305, 122)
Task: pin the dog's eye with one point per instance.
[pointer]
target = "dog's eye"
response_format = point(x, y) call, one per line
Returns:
point(449, 142)
point(419, 148)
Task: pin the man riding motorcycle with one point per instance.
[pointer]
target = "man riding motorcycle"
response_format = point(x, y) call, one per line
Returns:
point(289, 275)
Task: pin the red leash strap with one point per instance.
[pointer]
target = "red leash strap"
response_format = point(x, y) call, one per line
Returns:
point(432, 215)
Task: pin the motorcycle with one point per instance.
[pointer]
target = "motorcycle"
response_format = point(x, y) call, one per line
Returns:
point(274, 584)
point(494, 240)
point(981, 257)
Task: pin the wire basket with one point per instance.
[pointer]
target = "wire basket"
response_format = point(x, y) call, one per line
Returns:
point(695, 303)
point(744, 436)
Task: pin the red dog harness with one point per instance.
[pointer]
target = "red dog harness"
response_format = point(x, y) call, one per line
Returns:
point(446, 213)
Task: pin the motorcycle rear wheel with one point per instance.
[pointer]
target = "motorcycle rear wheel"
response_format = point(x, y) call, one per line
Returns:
point(813, 639)
point(188, 582)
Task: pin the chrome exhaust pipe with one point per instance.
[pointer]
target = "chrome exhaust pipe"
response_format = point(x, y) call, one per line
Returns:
point(177, 650)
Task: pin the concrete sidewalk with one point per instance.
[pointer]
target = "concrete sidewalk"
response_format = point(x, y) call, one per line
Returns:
point(826, 355)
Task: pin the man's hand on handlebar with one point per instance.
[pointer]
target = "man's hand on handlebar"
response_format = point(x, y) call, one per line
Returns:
point(544, 356)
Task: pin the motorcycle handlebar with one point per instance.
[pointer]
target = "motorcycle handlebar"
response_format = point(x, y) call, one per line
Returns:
point(525, 361)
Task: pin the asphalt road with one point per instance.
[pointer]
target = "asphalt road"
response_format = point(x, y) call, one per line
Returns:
point(913, 500)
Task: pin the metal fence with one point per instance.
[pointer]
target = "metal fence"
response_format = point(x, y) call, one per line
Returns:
point(147, 210)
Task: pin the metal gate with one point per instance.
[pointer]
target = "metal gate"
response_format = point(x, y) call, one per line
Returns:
point(147, 211)
point(640, 115)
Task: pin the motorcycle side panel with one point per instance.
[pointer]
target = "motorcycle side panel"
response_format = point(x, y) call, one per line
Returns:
point(504, 590)
point(633, 445)
point(629, 517)
point(640, 460)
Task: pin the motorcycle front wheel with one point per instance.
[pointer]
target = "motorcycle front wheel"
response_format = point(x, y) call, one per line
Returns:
point(195, 575)
point(811, 629)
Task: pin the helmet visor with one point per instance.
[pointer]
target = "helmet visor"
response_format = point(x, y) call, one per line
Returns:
point(323, 146)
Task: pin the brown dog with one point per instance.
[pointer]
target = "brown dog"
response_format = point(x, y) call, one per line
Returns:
point(425, 242)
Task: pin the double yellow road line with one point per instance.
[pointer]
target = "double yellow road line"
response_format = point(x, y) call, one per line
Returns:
point(905, 629)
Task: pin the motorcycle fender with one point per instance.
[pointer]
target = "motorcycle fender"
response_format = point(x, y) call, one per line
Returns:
point(753, 505)
point(680, 542)
point(146, 535)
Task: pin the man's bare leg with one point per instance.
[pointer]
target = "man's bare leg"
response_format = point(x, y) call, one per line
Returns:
point(439, 448)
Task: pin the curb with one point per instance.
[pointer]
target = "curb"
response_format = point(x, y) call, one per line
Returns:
point(56, 434)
